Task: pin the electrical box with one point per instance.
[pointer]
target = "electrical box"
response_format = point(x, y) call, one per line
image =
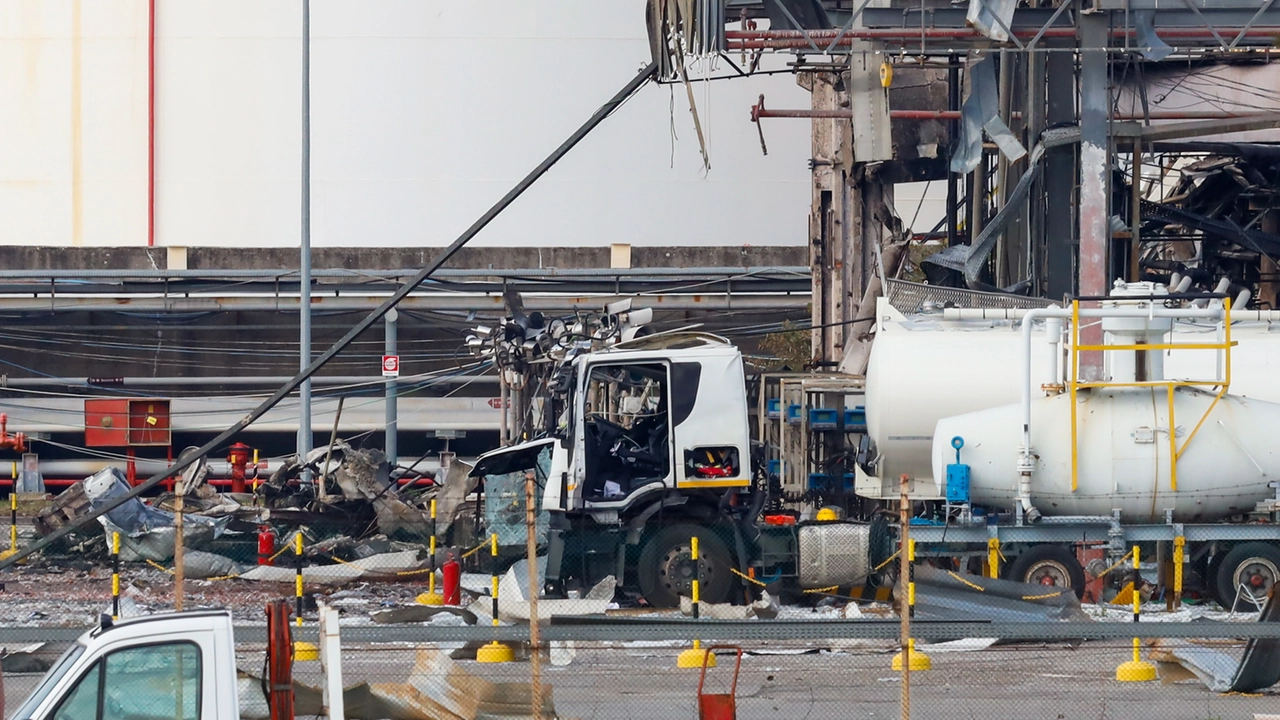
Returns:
point(127, 422)
point(957, 483)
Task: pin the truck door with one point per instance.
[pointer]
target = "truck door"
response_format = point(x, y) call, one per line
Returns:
point(709, 415)
point(140, 682)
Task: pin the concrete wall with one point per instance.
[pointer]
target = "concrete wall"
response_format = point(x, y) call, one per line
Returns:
point(423, 113)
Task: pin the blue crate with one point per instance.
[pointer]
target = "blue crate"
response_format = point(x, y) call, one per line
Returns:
point(773, 408)
point(793, 414)
point(822, 481)
point(823, 418)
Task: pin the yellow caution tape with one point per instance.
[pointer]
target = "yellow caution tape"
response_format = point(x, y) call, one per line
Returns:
point(158, 566)
point(1119, 562)
point(748, 578)
point(474, 550)
point(887, 561)
point(975, 586)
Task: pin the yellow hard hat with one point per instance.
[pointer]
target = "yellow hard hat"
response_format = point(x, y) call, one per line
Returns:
point(827, 514)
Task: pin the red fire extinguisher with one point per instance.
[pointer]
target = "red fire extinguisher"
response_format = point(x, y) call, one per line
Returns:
point(452, 575)
point(266, 545)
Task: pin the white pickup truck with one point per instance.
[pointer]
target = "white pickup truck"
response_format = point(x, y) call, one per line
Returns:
point(159, 667)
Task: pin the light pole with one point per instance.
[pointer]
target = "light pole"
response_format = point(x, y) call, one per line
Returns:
point(304, 261)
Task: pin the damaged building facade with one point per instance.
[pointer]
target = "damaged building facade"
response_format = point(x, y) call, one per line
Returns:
point(1078, 143)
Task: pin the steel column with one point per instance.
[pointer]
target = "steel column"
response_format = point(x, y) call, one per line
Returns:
point(1094, 150)
point(1059, 181)
point(389, 343)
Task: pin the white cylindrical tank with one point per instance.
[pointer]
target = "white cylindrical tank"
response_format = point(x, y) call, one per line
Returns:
point(922, 371)
point(1123, 454)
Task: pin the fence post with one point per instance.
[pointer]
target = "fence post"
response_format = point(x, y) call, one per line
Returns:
point(495, 652)
point(694, 657)
point(1136, 670)
point(535, 589)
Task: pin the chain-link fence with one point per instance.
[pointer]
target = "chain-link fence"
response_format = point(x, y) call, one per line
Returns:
point(789, 668)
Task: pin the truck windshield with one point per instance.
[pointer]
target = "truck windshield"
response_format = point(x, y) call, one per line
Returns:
point(51, 679)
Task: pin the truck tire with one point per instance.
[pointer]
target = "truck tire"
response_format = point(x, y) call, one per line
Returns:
point(1254, 565)
point(1049, 565)
point(666, 567)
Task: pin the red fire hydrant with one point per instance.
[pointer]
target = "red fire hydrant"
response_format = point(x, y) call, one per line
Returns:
point(238, 456)
point(452, 576)
point(266, 545)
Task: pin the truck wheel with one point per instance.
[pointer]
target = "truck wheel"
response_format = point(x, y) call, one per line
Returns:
point(1255, 566)
point(666, 568)
point(1048, 565)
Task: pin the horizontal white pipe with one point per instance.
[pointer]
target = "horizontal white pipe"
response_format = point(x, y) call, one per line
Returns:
point(957, 314)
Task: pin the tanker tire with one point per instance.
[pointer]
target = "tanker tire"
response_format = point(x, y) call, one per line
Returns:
point(1254, 559)
point(1048, 561)
point(665, 567)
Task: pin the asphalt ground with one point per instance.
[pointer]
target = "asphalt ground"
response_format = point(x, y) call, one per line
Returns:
point(638, 682)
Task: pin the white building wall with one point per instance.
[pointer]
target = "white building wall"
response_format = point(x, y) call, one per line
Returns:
point(424, 112)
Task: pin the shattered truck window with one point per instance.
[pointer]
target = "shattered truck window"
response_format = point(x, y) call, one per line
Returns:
point(504, 504)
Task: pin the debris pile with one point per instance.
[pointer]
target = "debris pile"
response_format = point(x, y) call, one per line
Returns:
point(356, 521)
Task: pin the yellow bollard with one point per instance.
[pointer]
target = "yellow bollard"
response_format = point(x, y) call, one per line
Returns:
point(495, 652)
point(918, 660)
point(13, 521)
point(693, 657)
point(115, 576)
point(431, 597)
point(1136, 670)
point(302, 651)
point(993, 558)
point(1179, 556)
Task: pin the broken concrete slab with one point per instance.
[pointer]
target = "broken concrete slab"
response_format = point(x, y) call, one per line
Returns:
point(200, 565)
point(765, 608)
point(420, 613)
point(387, 566)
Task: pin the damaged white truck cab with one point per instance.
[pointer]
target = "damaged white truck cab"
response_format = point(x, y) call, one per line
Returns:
point(178, 665)
point(652, 448)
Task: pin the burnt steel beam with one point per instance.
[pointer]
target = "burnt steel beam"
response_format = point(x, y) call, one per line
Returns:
point(1175, 16)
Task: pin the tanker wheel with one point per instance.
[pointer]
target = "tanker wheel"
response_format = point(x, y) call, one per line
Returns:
point(1252, 568)
point(1048, 565)
point(666, 568)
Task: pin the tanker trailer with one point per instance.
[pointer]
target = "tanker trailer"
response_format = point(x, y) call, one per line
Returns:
point(926, 366)
point(1090, 462)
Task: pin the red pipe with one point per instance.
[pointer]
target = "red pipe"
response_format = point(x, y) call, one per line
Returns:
point(151, 124)
point(787, 39)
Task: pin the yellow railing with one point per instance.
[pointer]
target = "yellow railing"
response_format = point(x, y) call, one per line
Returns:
point(1074, 385)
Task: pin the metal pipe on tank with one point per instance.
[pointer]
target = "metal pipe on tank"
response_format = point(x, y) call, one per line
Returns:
point(1026, 461)
point(1053, 333)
